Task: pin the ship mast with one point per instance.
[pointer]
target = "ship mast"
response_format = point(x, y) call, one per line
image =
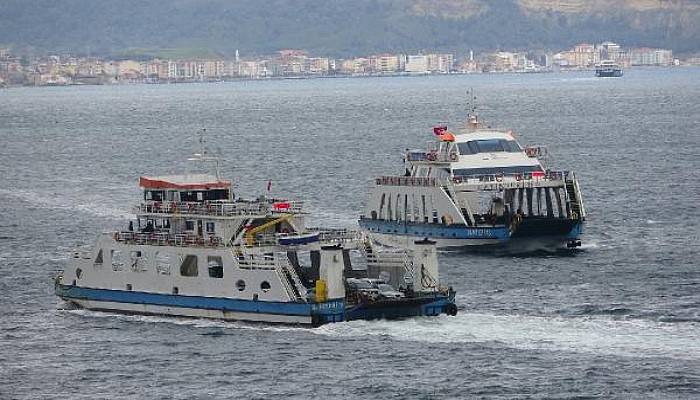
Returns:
point(472, 118)
point(203, 156)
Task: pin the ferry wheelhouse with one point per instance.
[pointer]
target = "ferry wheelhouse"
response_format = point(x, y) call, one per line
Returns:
point(478, 187)
point(195, 249)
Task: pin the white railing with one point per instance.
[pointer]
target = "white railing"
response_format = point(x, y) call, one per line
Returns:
point(335, 236)
point(406, 181)
point(167, 239)
point(220, 208)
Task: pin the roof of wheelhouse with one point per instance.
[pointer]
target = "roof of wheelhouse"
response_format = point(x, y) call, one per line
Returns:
point(184, 182)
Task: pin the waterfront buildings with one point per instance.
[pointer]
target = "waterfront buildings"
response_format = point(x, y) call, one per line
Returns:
point(61, 69)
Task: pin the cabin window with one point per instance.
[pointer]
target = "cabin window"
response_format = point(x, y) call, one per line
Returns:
point(215, 266)
point(129, 287)
point(189, 225)
point(200, 196)
point(210, 227)
point(99, 259)
point(188, 268)
point(154, 195)
point(240, 285)
point(162, 263)
point(464, 149)
point(117, 261)
point(138, 261)
point(265, 286)
point(488, 146)
point(513, 147)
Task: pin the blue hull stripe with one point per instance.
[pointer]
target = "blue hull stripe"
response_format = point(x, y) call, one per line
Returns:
point(197, 302)
point(439, 231)
point(331, 311)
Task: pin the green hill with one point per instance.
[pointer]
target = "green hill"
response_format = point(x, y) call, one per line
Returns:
point(341, 27)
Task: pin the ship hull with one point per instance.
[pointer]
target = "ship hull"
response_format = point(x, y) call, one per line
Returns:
point(312, 314)
point(532, 233)
point(609, 73)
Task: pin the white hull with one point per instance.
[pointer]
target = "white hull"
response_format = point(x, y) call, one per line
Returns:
point(189, 312)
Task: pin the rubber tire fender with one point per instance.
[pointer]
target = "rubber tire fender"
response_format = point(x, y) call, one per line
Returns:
point(451, 309)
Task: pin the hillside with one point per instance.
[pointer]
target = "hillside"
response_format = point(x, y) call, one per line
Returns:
point(341, 27)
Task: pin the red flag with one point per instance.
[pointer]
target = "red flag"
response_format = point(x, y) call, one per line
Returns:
point(439, 130)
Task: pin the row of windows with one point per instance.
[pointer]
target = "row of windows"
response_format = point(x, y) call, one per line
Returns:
point(489, 146)
point(138, 261)
point(525, 169)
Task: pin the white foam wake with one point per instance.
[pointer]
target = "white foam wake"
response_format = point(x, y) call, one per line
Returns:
point(586, 334)
point(598, 335)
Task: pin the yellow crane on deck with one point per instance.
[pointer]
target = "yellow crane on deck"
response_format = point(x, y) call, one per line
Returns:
point(250, 234)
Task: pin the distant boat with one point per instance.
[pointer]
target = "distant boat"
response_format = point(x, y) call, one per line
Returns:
point(608, 69)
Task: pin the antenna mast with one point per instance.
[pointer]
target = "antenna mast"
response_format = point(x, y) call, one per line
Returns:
point(203, 155)
point(472, 119)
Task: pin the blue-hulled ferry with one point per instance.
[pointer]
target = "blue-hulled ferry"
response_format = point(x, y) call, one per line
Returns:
point(478, 187)
point(195, 250)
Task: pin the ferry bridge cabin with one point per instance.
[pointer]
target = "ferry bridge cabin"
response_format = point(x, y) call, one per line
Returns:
point(202, 208)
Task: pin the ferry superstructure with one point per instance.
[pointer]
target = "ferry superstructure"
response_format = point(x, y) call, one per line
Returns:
point(196, 250)
point(478, 187)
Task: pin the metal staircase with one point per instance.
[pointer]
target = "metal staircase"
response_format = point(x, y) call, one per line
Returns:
point(292, 284)
point(578, 211)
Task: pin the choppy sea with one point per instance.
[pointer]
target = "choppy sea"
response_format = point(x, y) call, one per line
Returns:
point(618, 319)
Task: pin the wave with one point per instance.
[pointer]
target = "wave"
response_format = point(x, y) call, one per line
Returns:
point(90, 205)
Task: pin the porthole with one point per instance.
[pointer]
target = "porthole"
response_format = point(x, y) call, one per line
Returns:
point(265, 286)
point(78, 273)
point(240, 285)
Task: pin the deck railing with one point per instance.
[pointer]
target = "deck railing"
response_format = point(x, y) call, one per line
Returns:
point(517, 177)
point(168, 239)
point(511, 179)
point(406, 181)
point(220, 208)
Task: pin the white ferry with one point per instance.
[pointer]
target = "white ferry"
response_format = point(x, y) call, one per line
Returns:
point(608, 69)
point(196, 250)
point(478, 187)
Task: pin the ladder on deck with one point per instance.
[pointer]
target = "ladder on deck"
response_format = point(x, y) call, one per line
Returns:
point(390, 259)
point(575, 201)
point(291, 281)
